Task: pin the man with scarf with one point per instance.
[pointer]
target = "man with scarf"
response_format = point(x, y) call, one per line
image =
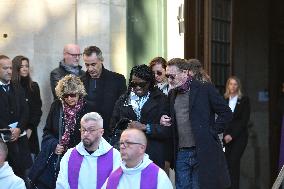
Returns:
point(197, 115)
point(137, 171)
point(89, 164)
point(69, 65)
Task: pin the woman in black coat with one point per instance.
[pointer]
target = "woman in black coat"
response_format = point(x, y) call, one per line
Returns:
point(21, 77)
point(62, 130)
point(143, 105)
point(236, 134)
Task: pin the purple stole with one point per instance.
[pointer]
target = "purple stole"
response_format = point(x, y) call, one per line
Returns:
point(149, 177)
point(104, 168)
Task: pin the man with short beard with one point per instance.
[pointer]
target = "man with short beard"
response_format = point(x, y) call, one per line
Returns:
point(89, 164)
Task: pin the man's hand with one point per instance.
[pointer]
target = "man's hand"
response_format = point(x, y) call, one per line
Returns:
point(59, 149)
point(15, 134)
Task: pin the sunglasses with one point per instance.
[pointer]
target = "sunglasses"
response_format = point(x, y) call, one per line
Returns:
point(140, 84)
point(171, 76)
point(159, 73)
point(69, 95)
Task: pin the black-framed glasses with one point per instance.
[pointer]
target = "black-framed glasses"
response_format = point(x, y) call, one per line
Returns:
point(140, 84)
point(126, 144)
point(159, 73)
point(69, 95)
point(74, 55)
point(89, 131)
point(171, 76)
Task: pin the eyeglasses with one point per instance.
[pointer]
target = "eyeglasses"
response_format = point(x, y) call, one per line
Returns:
point(126, 144)
point(140, 84)
point(74, 55)
point(171, 76)
point(89, 131)
point(69, 95)
point(159, 73)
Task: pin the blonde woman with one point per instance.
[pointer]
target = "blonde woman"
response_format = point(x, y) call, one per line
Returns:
point(61, 131)
point(236, 134)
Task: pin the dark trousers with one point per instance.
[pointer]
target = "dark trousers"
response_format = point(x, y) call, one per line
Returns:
point(233, 152)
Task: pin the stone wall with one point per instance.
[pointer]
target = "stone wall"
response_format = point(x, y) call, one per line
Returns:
point(39, 29)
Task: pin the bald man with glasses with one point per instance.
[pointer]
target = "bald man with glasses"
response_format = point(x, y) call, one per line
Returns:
point(136, 171)
point(68, 65)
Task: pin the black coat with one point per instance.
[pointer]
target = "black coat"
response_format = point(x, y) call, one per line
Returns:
point(110, 86)
point(13, 108)
point(204, 103)
point(35, 104)
point(238, 130)
point(238, 126)
point(51, 129)
point(151, 112)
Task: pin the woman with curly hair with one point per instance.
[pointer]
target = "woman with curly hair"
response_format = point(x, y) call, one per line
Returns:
point(61, 131)
point(71, 92)
point(143, 105)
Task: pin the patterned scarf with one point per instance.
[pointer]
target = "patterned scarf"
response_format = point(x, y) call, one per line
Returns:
point(137, 103)
point(184, 87)
point(70, 113)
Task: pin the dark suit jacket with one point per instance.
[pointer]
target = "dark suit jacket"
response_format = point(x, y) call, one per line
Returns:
point(204, 103)
point(151, 112)
point(238, 126)
point(13, 108)
point(110, 86)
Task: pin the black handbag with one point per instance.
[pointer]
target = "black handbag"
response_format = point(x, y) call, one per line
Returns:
point(43, 174)
point(44, 177)
point(120, 126)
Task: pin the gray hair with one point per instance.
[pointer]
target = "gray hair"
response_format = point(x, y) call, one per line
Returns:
point(3, 147)
point(88, 51)
point(93, 116)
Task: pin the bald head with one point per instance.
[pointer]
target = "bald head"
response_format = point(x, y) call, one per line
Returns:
point(72, 54)
point(3, 152)
point(136, 134)
point(70, 46)
point(132, 146)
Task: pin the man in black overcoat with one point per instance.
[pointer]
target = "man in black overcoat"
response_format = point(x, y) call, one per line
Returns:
point(198, 115)
point(14, 116)
point(103, 87)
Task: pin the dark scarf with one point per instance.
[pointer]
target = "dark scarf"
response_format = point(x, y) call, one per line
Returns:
point(25, 83)
point(70, 113)
point(184, 87)
point(71, 69)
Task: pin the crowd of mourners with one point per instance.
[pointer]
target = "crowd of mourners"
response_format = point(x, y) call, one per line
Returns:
point(104, 132)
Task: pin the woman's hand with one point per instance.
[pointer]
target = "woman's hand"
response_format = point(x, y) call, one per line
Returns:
point(228, 138)
point(137, 125)
point(15, 134)
point(59, 149)
point(165, 121)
